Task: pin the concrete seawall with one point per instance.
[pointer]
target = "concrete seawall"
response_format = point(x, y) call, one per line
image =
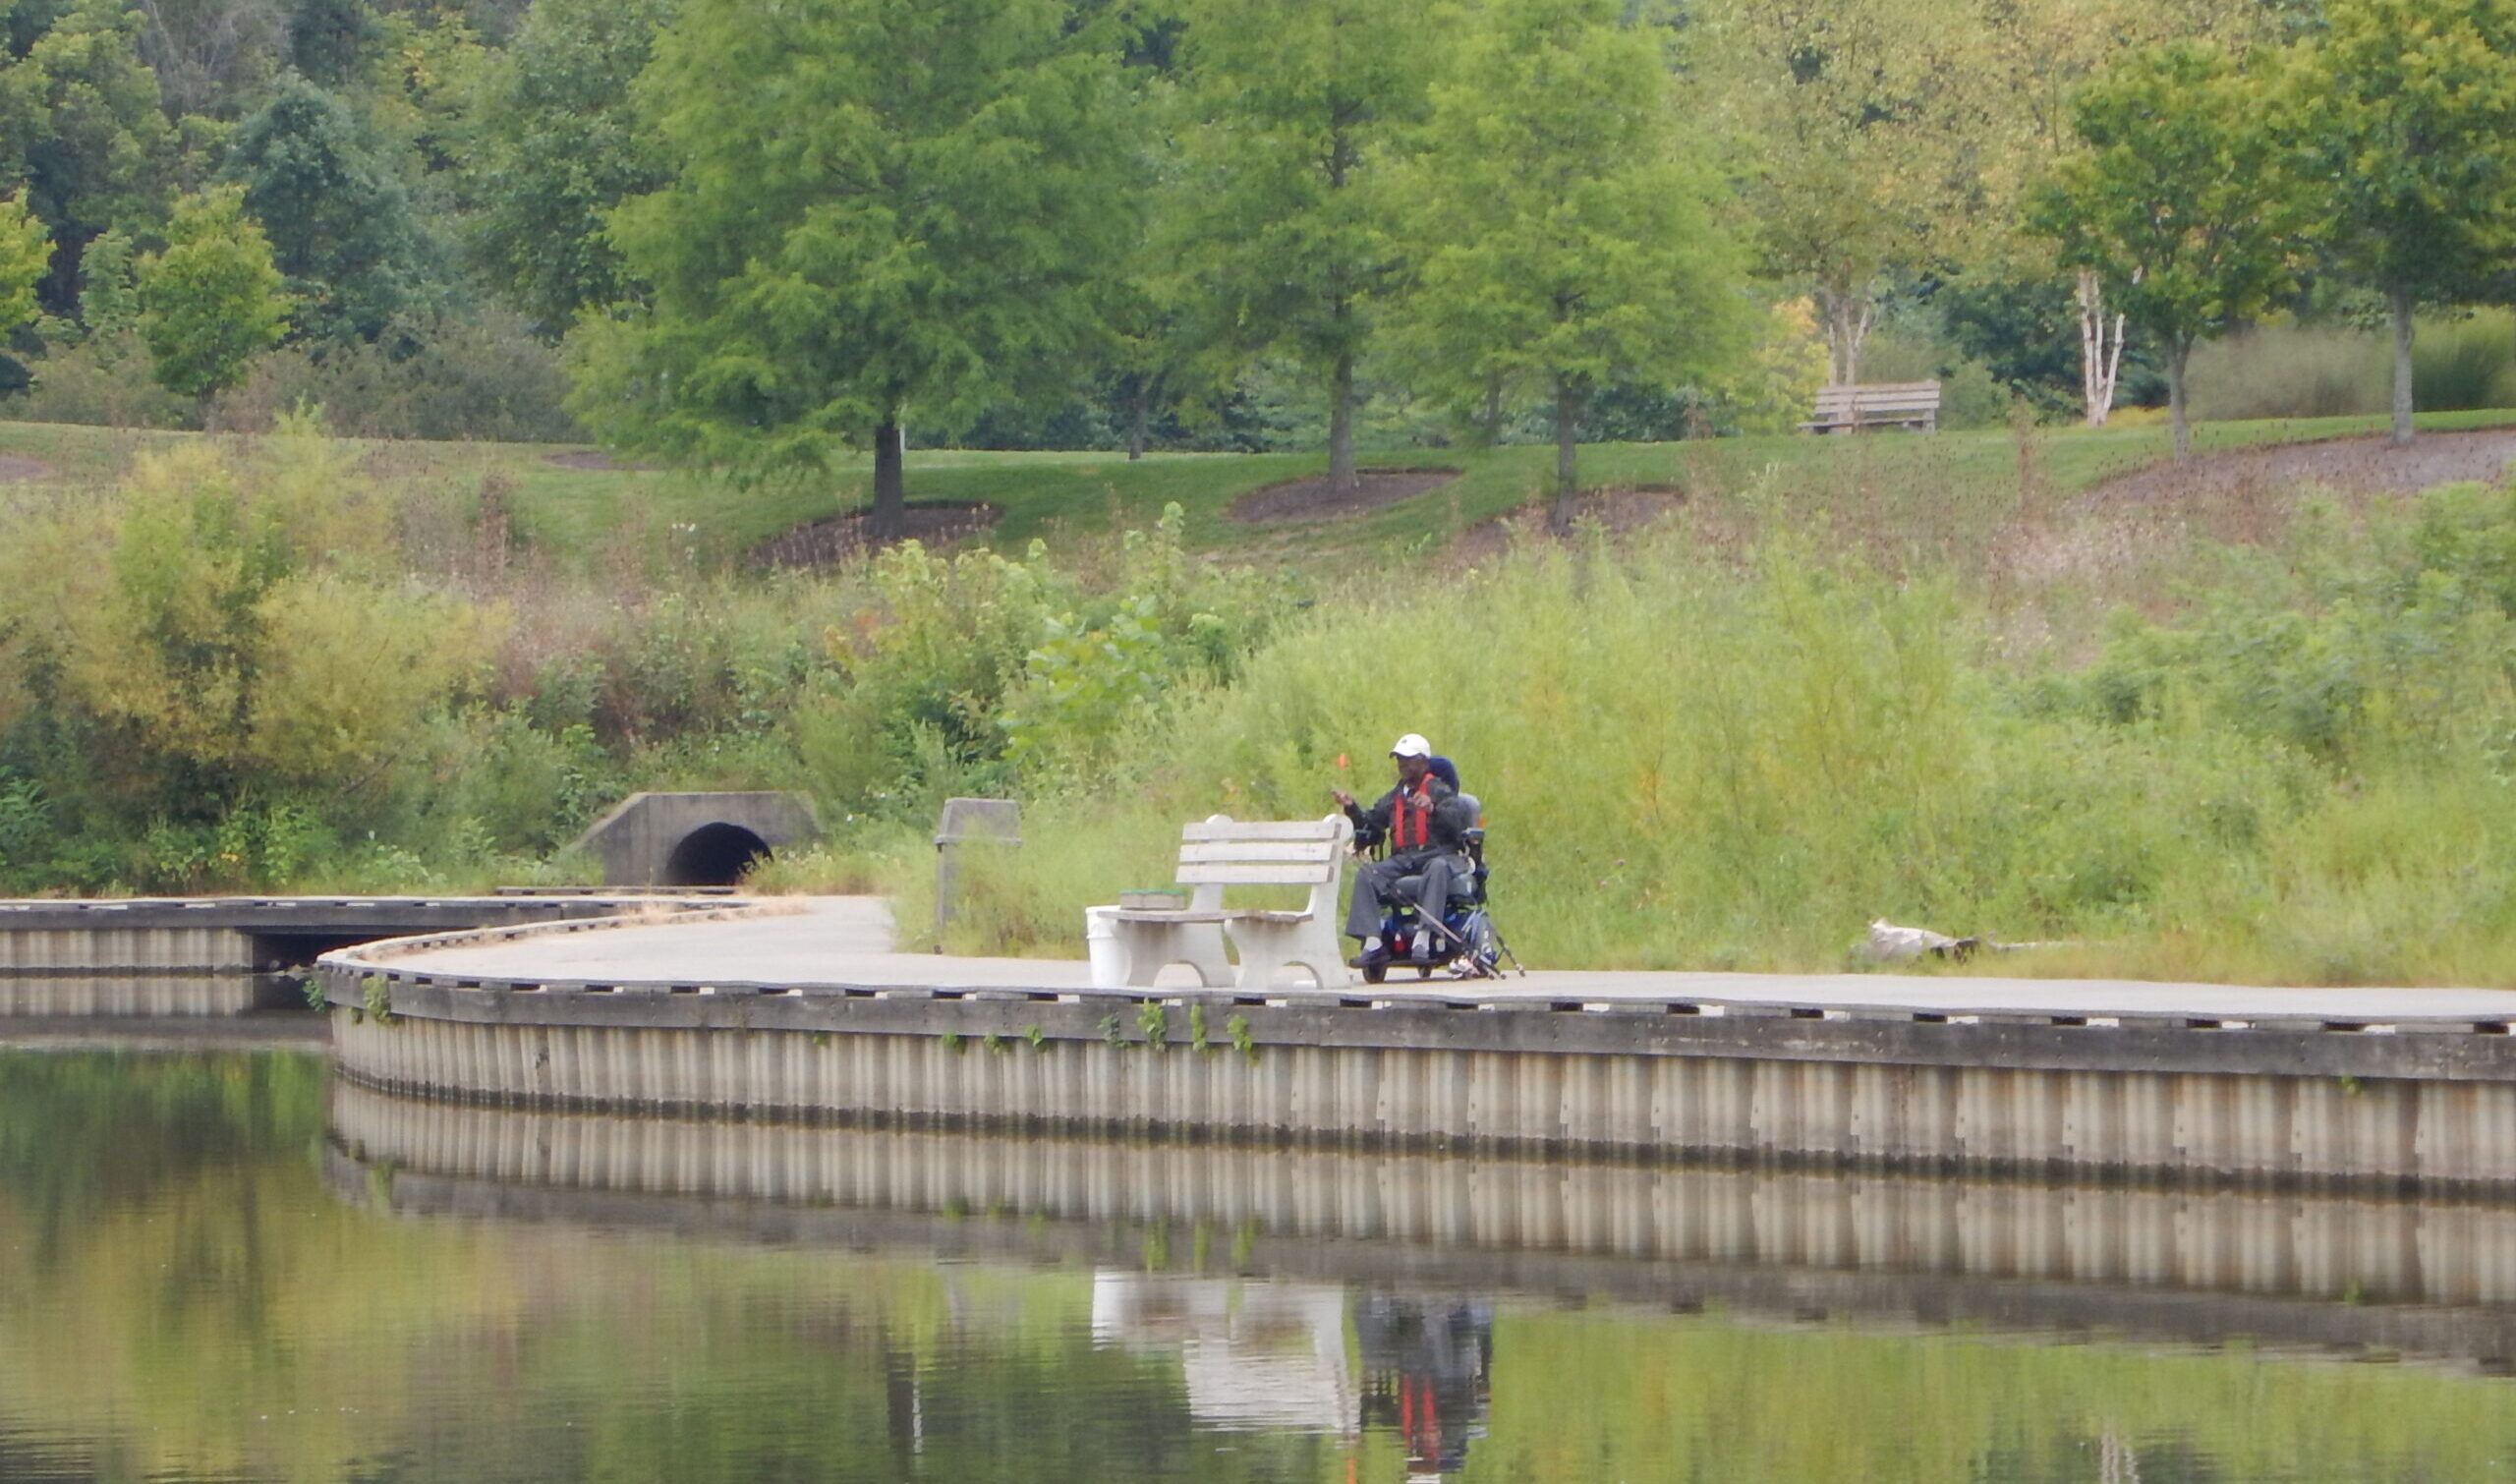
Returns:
point(1738, 1106)
point(2395, 1105)
point(217, 956)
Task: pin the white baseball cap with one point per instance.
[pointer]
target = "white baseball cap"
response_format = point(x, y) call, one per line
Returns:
point(1411, 746)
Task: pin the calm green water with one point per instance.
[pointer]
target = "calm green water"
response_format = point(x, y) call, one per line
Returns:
point(200, 1279)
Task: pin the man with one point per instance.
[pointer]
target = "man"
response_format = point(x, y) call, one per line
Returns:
point(1424, 822)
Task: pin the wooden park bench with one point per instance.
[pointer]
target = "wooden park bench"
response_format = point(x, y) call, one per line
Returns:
point(1876, 404)
point(1221, 852)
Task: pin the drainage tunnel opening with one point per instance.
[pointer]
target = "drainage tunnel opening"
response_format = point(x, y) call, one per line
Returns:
point(714, 855)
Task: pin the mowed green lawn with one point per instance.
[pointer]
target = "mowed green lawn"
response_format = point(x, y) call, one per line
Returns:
point(578, 511)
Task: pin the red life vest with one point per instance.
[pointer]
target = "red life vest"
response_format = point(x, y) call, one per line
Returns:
point(1400, 816)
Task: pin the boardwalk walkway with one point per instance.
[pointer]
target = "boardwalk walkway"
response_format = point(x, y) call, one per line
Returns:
point(848, 941)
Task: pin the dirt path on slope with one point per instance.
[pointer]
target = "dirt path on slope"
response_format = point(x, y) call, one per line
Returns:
point(2356, 465)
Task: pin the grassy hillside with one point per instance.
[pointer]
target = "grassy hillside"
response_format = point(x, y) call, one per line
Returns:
point(574, 511)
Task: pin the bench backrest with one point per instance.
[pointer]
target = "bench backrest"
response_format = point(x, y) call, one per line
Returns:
point(1875, 399)
point(1222, 851)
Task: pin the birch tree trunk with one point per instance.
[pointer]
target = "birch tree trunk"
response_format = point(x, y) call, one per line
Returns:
point(2100, 349)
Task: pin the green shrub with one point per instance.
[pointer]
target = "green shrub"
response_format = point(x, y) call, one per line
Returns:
point(480, 376)
point(107, 382)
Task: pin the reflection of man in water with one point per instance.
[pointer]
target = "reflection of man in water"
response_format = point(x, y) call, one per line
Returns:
point(1425, 1363)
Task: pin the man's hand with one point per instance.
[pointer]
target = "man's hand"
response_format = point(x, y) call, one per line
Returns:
point(1344, 799)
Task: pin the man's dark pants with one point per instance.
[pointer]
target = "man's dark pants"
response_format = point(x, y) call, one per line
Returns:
point(1376, 886)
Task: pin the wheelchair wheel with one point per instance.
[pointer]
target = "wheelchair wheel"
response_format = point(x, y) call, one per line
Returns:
point(1375, 973)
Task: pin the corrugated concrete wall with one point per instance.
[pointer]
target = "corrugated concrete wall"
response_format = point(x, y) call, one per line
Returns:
point(2260, 1127)
point(112, 949)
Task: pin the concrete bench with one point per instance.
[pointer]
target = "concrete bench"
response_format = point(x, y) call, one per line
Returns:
point(1219, 853)
point(1876, 404)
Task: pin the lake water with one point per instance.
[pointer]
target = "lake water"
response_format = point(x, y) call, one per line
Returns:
point(223, 1267)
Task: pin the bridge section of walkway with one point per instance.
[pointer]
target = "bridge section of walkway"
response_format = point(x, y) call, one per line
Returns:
point(243, 934)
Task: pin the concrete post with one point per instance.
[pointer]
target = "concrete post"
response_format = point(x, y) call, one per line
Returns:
point(986, 822)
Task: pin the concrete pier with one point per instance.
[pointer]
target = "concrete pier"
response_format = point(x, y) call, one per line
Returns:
point(2385, 1090)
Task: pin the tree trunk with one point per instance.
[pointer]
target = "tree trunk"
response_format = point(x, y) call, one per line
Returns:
point(1340, 426)
point(1143, 416)
point(889, 516)
point(2176, 355)
point(2400, 301)
point(2100, 350)
point(1848, 314)
point(1567, 417)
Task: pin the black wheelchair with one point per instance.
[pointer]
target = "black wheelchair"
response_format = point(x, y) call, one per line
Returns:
point(1460, 940)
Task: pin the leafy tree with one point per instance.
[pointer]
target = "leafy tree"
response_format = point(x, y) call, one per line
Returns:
point(81, 125)
point(2025, 63)
point(27, 20)
point(1299, 108)
point(2178, 205)
point(1169, 365)
point(26, 256)
point(340, 223)
point(212, 300)
point(330, 41)
point(1845, 109)
point(1567, 242)
point(875, 204)
point(108, 295)
point(211, 55)
point(558, 146)
point(2404, 112)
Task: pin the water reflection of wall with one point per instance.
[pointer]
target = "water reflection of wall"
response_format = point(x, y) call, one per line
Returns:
point(127, 995)
point(2432, 1277)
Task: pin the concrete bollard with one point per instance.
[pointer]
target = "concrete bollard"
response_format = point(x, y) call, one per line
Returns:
point(1101, 946)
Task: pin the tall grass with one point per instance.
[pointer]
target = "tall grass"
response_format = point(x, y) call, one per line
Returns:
point(2292, 370)
point(2466, 362)
point(2289, 371)
point(1737, 760)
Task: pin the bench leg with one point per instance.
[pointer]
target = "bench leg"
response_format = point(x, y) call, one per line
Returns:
point(1266, 947)
point(1152, 946)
